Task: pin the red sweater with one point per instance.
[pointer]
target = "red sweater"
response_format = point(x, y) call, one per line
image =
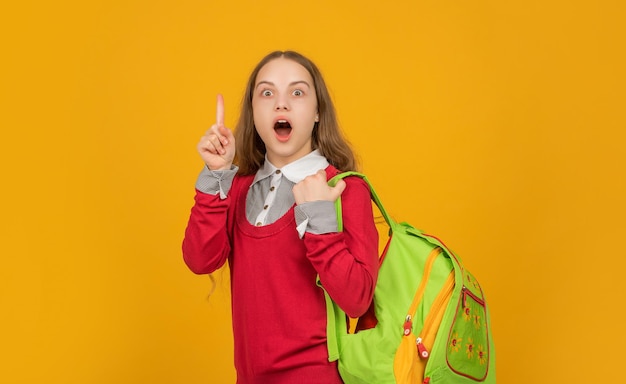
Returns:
point(279, 314)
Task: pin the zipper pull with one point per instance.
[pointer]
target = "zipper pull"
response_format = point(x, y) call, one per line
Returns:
point(421, 348)
point(407, 325)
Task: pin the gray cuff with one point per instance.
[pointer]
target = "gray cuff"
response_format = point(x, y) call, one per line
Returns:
point(316, 217)
point(214, 182)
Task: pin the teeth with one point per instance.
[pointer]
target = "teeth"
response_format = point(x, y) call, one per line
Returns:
point(282, 121)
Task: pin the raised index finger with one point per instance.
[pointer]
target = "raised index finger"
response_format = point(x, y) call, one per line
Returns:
point(220, 111)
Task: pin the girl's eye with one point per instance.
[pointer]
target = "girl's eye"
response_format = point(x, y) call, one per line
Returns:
point(298, 92)
point(266, 92)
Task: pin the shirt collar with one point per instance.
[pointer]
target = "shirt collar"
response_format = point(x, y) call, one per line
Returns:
point(296, 170)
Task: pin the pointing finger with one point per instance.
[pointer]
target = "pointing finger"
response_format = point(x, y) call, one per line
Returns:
point(220, 110)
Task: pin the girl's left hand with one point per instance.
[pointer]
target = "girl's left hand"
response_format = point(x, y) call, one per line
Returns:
point(315, 188)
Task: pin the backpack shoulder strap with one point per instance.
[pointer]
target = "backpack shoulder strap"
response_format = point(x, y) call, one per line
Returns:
point(335, 316)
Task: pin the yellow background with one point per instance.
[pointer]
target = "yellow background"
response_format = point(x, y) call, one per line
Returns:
point(497, 125)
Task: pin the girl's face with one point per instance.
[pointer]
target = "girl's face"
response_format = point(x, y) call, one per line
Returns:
point(284, 107)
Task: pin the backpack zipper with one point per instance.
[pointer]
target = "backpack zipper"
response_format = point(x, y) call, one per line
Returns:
point(419, 293)
point(467, 292)
point(436, 309)
point(435, 313)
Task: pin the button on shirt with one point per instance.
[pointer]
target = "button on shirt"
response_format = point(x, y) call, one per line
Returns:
point(270, 196)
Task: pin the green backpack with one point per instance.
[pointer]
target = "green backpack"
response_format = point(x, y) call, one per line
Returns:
point(428, 322)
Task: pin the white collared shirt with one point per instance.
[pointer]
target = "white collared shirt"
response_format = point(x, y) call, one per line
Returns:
point(267, 183)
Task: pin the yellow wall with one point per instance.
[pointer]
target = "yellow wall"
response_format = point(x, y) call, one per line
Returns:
point(498, 125)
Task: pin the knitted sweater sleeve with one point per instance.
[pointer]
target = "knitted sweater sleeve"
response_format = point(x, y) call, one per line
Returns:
point(206, 245)
point(347, 262)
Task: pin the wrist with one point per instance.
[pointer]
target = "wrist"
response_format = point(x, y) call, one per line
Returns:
point(226, 167)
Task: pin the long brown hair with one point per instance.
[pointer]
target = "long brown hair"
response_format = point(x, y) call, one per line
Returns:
point(326, 136)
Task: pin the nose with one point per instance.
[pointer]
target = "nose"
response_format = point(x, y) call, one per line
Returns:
point(281, 104)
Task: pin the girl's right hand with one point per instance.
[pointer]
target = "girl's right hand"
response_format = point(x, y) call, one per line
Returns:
point(217, 146)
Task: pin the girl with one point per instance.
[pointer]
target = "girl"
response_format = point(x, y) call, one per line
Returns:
point(273, 218)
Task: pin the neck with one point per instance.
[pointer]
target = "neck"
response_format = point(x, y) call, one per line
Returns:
point(280, 161)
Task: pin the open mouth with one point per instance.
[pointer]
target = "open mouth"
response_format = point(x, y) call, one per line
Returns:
point(282, 129)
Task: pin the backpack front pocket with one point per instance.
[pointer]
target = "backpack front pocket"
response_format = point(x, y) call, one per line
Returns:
point(468, 342)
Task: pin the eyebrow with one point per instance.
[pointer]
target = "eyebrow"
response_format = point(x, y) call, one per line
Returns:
point(290, 84)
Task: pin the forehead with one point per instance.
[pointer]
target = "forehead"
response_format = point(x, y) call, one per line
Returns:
point(282, 70)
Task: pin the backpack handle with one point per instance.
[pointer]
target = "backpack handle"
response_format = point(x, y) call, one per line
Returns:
point(332, 182)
